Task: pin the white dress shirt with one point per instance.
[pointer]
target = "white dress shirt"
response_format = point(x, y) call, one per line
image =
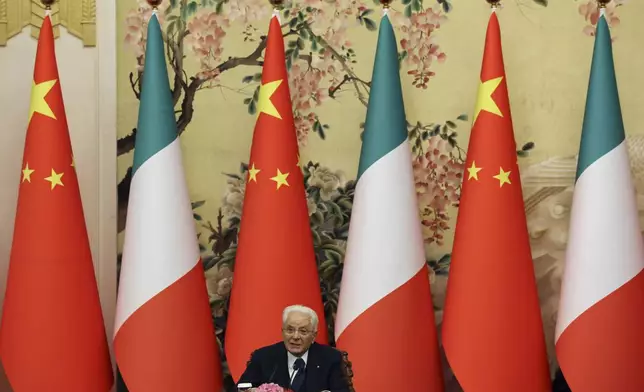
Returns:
point(291, 362)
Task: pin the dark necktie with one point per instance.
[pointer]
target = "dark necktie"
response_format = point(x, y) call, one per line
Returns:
point(298, 380)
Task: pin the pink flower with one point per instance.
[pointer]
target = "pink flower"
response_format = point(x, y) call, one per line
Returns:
point(438, 175)
point(270, 388)
point(206, 40)
point(419, 44)
point(590, 11)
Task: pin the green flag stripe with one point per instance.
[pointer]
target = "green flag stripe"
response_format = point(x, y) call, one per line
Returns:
point(157, 127)
point(386, 125)
point(603, 128)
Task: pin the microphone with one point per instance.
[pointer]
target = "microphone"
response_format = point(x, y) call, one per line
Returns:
point(270, 379)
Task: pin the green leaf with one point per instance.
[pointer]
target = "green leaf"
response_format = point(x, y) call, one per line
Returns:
point(543, 3)
point(247, 79)
point(171, 28)
point(416, 5)
point(327, 263)
point(219, 8)
point(197, 204)
point(192, 8)
point(300, 43)
point(367, 12)
point(407, 11)
point(450, 124)
point(257, 77)
point(462, 117)
point(252, 108)
point(292, 23)
point(406, 2)
point(328, 273)
point(528, 146)
point(370, 24)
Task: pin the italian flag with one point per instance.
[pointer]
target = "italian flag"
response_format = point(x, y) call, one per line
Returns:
point(164, 337)
point(385, 308)
point(600, 326)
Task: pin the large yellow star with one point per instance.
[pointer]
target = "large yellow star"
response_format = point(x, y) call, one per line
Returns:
point(252, 173)
point(55, 179)
point(38, 104)
point(503, 177)
point(484, 100)
point(26, 173)
point(474, 171)
point(264, 104)
point(280, 179)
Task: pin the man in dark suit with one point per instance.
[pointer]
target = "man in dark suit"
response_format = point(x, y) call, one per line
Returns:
point(297, 363)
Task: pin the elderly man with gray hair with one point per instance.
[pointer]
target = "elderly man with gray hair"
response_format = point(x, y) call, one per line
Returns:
point(297, 363)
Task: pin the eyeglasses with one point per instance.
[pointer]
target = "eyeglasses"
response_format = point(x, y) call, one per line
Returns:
point(292, 331)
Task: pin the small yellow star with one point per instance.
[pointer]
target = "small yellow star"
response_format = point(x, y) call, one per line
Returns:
point(252, 173)
point(280, 179)
point(299, 161)
point(264, 103)
point(474, 171)
point(55, 179)
point(503, 177)
point(73, 162)
point(484, 100)
point(38, 104)
point(26, 173)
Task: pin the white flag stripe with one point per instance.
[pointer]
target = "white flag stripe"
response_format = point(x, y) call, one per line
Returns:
point(395, 253)
point(605, 248)
point(156, 254)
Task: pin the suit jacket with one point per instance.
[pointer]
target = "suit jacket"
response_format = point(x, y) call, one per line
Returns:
point(323, 368)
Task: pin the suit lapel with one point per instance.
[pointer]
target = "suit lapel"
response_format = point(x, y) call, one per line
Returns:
point(281, 374)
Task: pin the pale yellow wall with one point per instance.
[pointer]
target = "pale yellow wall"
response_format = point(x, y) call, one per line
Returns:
point(87, 75)
point(547, 58)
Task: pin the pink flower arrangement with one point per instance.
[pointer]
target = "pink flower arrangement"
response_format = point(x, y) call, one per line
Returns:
point(271, 388)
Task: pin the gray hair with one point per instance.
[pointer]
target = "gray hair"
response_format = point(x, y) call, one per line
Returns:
point(301, 309)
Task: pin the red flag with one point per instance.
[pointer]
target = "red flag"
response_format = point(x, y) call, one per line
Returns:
point(492, 330)
point(275, 265)
point(52, 336)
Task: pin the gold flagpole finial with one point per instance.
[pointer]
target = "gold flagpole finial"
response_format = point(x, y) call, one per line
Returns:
point(48, 3)
point(602, 3)
point(494, 3)
point(155, 3)
point(277, 4)
point(385, 4)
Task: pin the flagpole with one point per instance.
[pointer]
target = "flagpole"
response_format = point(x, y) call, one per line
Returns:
point(386, 4)
point(277, 8)
point(155, 3)
point(494, 4)
point(48, 4)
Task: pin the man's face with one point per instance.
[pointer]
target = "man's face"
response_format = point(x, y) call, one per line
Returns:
point(298, 333)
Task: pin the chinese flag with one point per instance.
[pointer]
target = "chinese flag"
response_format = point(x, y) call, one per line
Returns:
point(275, 265)
point(492, 330)
point(52, 336)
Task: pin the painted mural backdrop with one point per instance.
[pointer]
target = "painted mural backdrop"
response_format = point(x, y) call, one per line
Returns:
point(215, 48)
